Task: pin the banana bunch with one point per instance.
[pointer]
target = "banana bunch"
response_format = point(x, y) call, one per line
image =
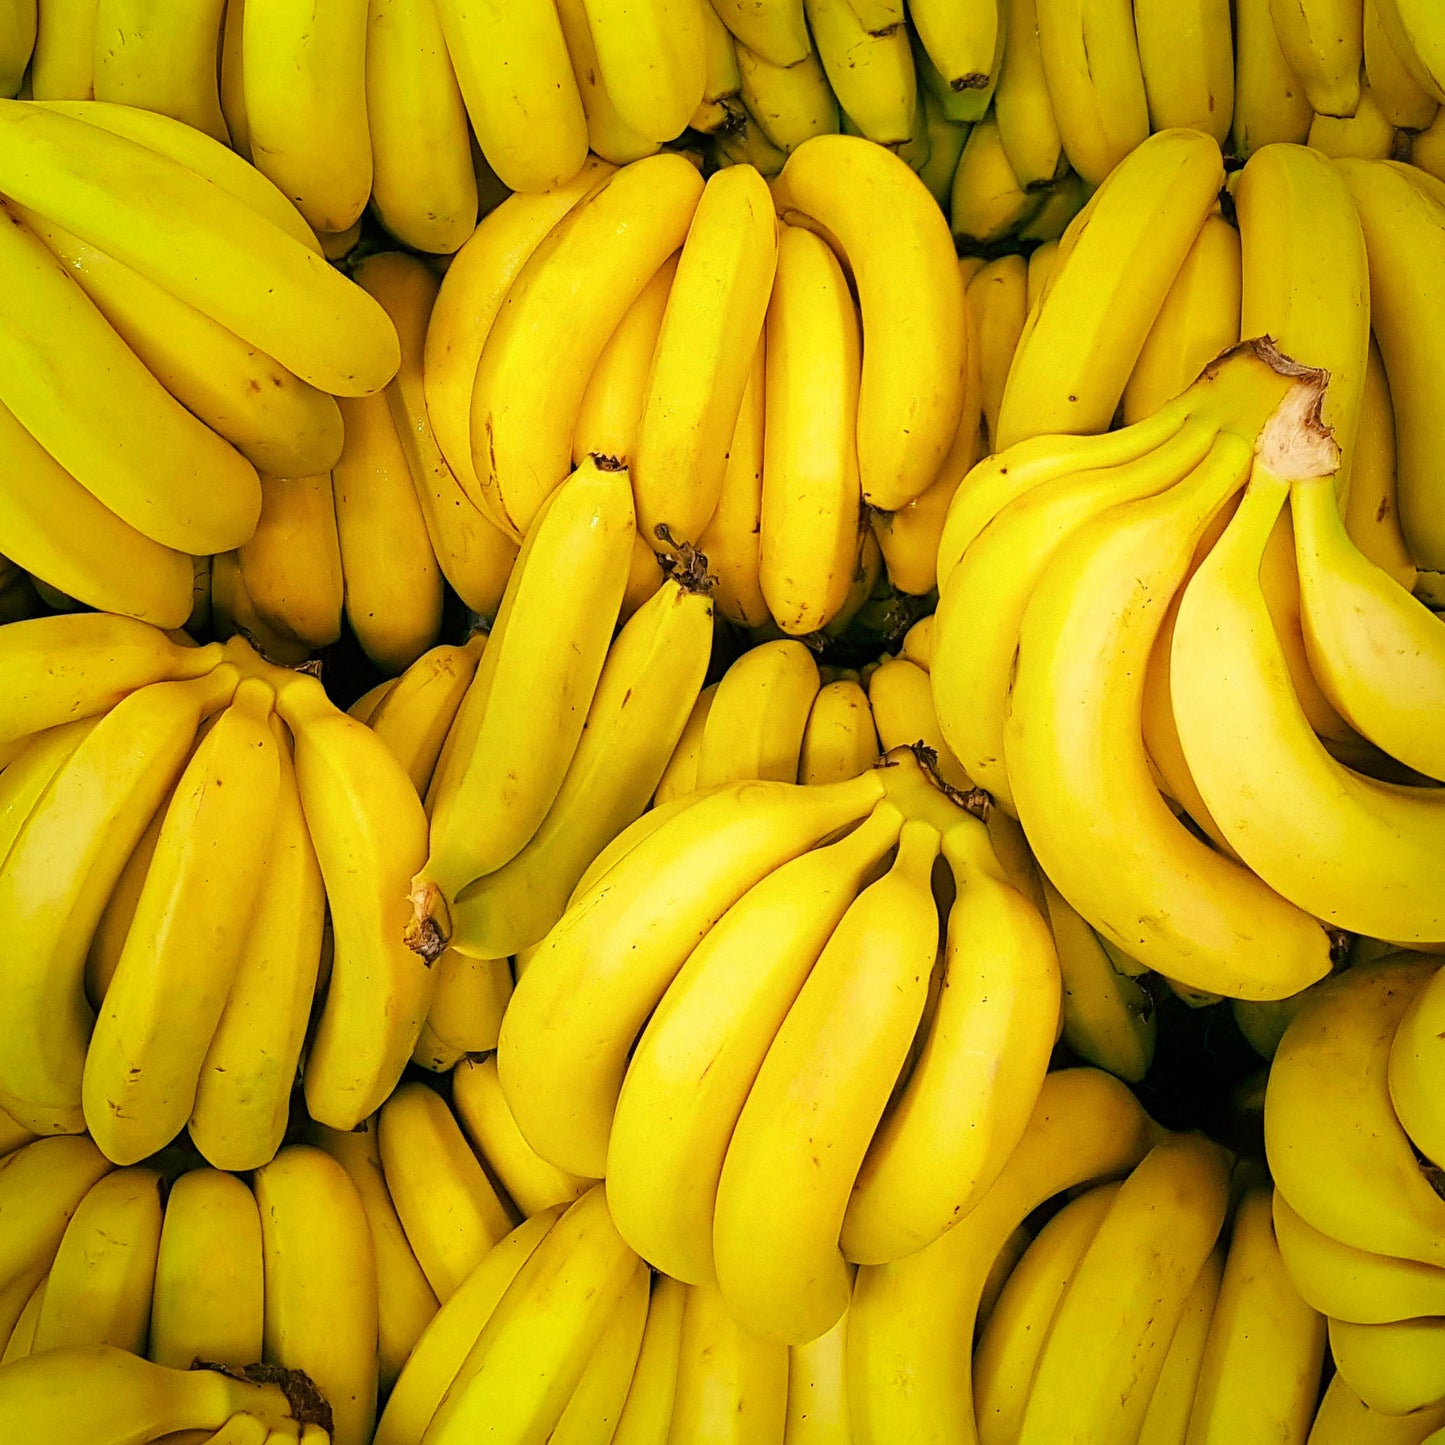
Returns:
point(690, 1048)
point(159, 987)
point(1351, 1110)
point(170, 331)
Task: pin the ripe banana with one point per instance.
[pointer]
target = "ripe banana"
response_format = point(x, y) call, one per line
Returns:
point(818, 1390)
point(19, 43)
point(1344, 1419)
point(758, 715)
point(1367, 134)
point(998, 305)
point(1023, 108)
point(321, 1303)
point(652, 60)
point(871, 74)
point(902, 701)
point(63, 62)
point(647, 1413)
point(591, 1415)
point(1270, 104)
point(414, 717)
point(897, 247)
point(1167, 1418)
point(209, 1279)
point(987, 203)
point(471, 996)
point(1394, 1368)
point(608, 135)
point(908, 538)
point(790, 103)
point(1323, 42)
point(839, 740)
point(945, 140)
point(1186, 56)
point(1404, 101)
point(1414, 1058)
point(776, 30)
point(42, 1184)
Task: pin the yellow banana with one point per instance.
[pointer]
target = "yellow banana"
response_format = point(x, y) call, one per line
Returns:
point(20, 25)
point(898, 249)
point(908, 538)
point(903, 712)
point(231, 81)
point(1085, 335)
point(163, 58)
point(1198, 321)
point(1061, 202)
point(98, 1291)
point(689, 1078)
point(199, 242)
point(662, 897)
point(1404, 101)
point(647, 1414)
point(209, 1279)
point(425, 195)
point(652, 59)
point(987, 202)
point(59, 872)
point(321, 1303)
point(1012, 1339)
point(1042, 260)
point(1345, 1419)
point(1371, 515)
point(1396, 1367)
point(22, 1337)
point(777, 29)
point(1023, 109)
point(962, 41)
point(872, 75)
point(560, 311)
point(1187, 59)
point(1368, 133)
point(155, 1027)
point(1323, 42)
point(742, 143)
point(471, 996)
point(1270, 104)
point(652, 675)
point(790, 103)
point(1416, 38)
point(1167, 1419)
point(679, 777)
point(1328, 1117)
point(839, 740)
point(809, 511)
point(1414, 1058)
point(997, 304)
point(945, 140)
point(12, 1135)
point(369, 832)
point(608, 134)
point(244, 1094)
point(592, 1413)
point(62, 64)
point(414, 717)
point(757, 717)
point(818, 1390)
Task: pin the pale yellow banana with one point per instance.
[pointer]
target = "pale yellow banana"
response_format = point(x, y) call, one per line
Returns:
point(1404, 101)
point(1323, 42)
point(1024, 111)
point(652, 58)
point(1394, 1368)
point(872, 75)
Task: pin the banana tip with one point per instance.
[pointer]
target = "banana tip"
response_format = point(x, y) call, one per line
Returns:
point(428, 930)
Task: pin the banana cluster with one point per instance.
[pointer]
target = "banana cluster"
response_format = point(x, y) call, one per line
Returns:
point(179, 823)
point(1353, 1098)
point(170, 332)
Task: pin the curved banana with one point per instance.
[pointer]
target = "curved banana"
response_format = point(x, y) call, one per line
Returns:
point(206, 247)
point(243, 1096)
point(757, 718)
point(998, 306)
point(652, 59)
point(163, 58)
point(1084, 337)
point(321, 1304)
point(703, 356)
point(908, 538)
point(1023, 107)
point(839, 740)
point(1344, 1419)
point(471, 996)
point(690, 1075)
point(26, 778)
point(560, 311)
point(1167, 1419)
point(987, 202)
point(1323, 42)
point(62, 65)
point(1270, 104)
point(209, 1279)
point(597, 1402)
point(777, 30)
point(608, 134)
point(1186, 54)
point(790, 103)
point(414, 717)
point(1395, 1368)
point(809, 511)
point(1328, 1117)
point(964, 43)
point(653, 674)
point(871, 74)
point(1414, 1058)
point(1367, 134)
point(818, 1390)
point(647, 1414)
point(1226, 931)
point(679, 777)
point(369, 832)
point(1370, 510)
point(1405, 102)
point(901, 697)
point(599, 973)
point(19, 43)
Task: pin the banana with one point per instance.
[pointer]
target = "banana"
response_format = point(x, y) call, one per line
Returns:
point(1414, 1058)
point(987, 595)
point(1199, 320)
point(208, 1276)
point(1415, 35)
point(59, 872)
point(593, 1411)
point(987, 202)
point(1426, 150)
point(907, 1378)
point(231, 81)
point(394, 587)
point(130, 444)
point(652, 675)
point(662, 897)
point(415, 716)
point(471, 295)
point(163, 58)
point(155, 1027)
point(1186, 55)
point(679, 777)
point(647, 1414)
point(1106, 1344)
point(1260, 1371)
point(776, 29)
point(689, 1078)
point(321, 1302)
point(12, 1135)
point(945, 140)
point(1328, 1116)
point(742, 143)
point(62, 63)
point(1127, 562)
point(608, 134)
point(989, 1041)
point(42, 1184)
point(730, 541)
point(205, 246)
point(913, 373)
point(291, 565)
point(406, 1303)
point(611, 406)
point(1224, 639)
point(1062, 201)
point(25, 779)
point(908, 538)
point(1084, 337)
point(758, 715)
point(652, 60)
point(1011, 1341)
point(473, 554)
point(998, 305)
point(98, 1291)
point(809, 511)
point(963, 42)
point(1270, 104)
point(20, 26)
point(1344, 1419)
point(560, 311)
point(22, 1337)
point(1404, 228)
point(1367, 134)
point(1108, 1019)
point(451, 1332)
point(703, 356)
point(1092, 69)
point(478, 826)
point(447, 1205)
point(533, 1349)
point(367, 826)
point(471, 996)
point(1395, 1368)
point(1167, 1419)
point(818, 1390)
point(839, 740)
point(1023, 108)
point(234, 613)
point(790, 103)
point(1371, 514)
point(902, 701)
point(871, 73)
point(279, 423)
point(1042, 260)
point(99, 1395)
point(1323, 42)
point(779, 1205)
point(426, 196)
point(243, 1097)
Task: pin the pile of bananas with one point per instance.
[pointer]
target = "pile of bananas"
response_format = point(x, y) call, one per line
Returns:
point(721, 722)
